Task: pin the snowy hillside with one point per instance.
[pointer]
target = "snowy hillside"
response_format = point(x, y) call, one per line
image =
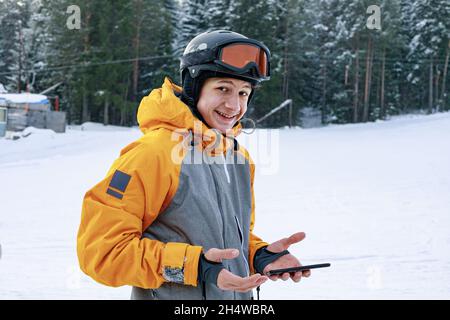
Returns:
point(373, 199)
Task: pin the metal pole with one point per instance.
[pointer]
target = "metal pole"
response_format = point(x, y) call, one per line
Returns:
point(281, 106)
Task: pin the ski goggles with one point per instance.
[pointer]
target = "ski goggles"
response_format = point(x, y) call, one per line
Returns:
point(241, 57)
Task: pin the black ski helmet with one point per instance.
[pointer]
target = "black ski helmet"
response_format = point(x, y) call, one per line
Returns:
point(221, 53)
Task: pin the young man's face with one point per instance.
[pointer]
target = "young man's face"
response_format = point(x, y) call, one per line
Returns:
point(223, 101)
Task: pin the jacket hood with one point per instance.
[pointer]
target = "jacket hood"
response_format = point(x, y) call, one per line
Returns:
point(163, 109)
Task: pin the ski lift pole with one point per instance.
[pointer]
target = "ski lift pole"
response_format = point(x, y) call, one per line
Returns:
point(288, 102)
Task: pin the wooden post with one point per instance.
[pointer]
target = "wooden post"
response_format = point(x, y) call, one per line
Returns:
point(57, 103)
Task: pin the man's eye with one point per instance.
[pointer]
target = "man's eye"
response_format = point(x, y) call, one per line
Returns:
point(223, 89)
point(245, 93)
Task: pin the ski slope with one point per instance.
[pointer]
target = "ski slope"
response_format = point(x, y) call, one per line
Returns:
point(373, 200)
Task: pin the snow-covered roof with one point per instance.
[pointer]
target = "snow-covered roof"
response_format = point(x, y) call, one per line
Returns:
point(24, 98)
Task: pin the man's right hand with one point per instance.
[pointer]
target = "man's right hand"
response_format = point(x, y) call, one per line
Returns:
point(229, 281)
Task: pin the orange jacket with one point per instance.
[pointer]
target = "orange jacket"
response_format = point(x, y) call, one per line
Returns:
point(123, 238)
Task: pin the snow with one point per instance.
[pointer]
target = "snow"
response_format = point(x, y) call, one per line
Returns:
point(373, 200)
point(24, 98)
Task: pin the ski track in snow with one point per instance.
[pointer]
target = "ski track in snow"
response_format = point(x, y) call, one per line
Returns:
point(373, 200)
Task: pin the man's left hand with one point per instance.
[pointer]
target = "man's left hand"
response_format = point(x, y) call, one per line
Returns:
point(286, 261)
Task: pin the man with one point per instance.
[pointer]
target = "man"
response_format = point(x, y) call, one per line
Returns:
point(173, 227)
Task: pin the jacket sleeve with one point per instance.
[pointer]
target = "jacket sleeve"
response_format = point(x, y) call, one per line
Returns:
point(255, 242)
point(110, 247)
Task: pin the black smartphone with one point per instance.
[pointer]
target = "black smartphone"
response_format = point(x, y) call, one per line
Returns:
point(295, 269)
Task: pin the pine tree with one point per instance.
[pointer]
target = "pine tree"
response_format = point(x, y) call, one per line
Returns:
point(15, 42)
point(3, 69)
point(259, 20)
point(193, 21)
point(428, 28)
point(158, 36)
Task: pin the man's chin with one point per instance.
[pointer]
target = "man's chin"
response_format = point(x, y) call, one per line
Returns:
point(223, 128)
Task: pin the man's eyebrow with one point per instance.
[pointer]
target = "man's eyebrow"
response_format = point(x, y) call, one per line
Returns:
point(232, 83)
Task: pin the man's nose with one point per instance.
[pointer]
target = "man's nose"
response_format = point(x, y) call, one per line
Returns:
point(233, 103)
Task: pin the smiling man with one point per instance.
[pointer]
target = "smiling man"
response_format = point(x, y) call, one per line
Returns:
point(182, 230)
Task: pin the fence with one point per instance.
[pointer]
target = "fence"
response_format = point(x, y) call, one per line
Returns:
point(19, 118)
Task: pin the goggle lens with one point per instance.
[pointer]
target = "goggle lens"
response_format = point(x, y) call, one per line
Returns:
point(239, 55)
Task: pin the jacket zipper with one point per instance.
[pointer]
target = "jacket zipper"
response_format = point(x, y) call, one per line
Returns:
point(241, 236)
point(225, 168)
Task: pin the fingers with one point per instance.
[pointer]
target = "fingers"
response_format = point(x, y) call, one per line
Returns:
point(229, 281)
point(285, 243)
point(297, 276)
point(228, 253)
point(250, 286)
point(285, 276)
point(295, 238)
point(217, 255)
point(239, 282)
point(274, 278)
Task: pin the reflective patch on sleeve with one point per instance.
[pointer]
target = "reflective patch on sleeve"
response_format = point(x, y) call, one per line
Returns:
point(120, 181)
point(173, 274)
point(114, 193)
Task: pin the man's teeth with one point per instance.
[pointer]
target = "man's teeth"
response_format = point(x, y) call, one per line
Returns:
point(225, 115)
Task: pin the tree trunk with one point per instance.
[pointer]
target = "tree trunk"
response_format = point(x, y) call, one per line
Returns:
point(85, 116)
point(346, 75)
point(444, 76)
point(436, 88)
point(19, 87)
point(367, 81)
point(124, 108)
point(122, 116)
point(106, 110)
point(286, 77)
point(430, 89)
point(356, 90)
point(137, 43)
point(383, 66)
point(378, 94)
point(286, 68)
point(85, 112)
point(324, 92)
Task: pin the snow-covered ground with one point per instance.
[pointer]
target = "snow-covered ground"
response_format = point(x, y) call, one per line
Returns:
point(373, 199)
